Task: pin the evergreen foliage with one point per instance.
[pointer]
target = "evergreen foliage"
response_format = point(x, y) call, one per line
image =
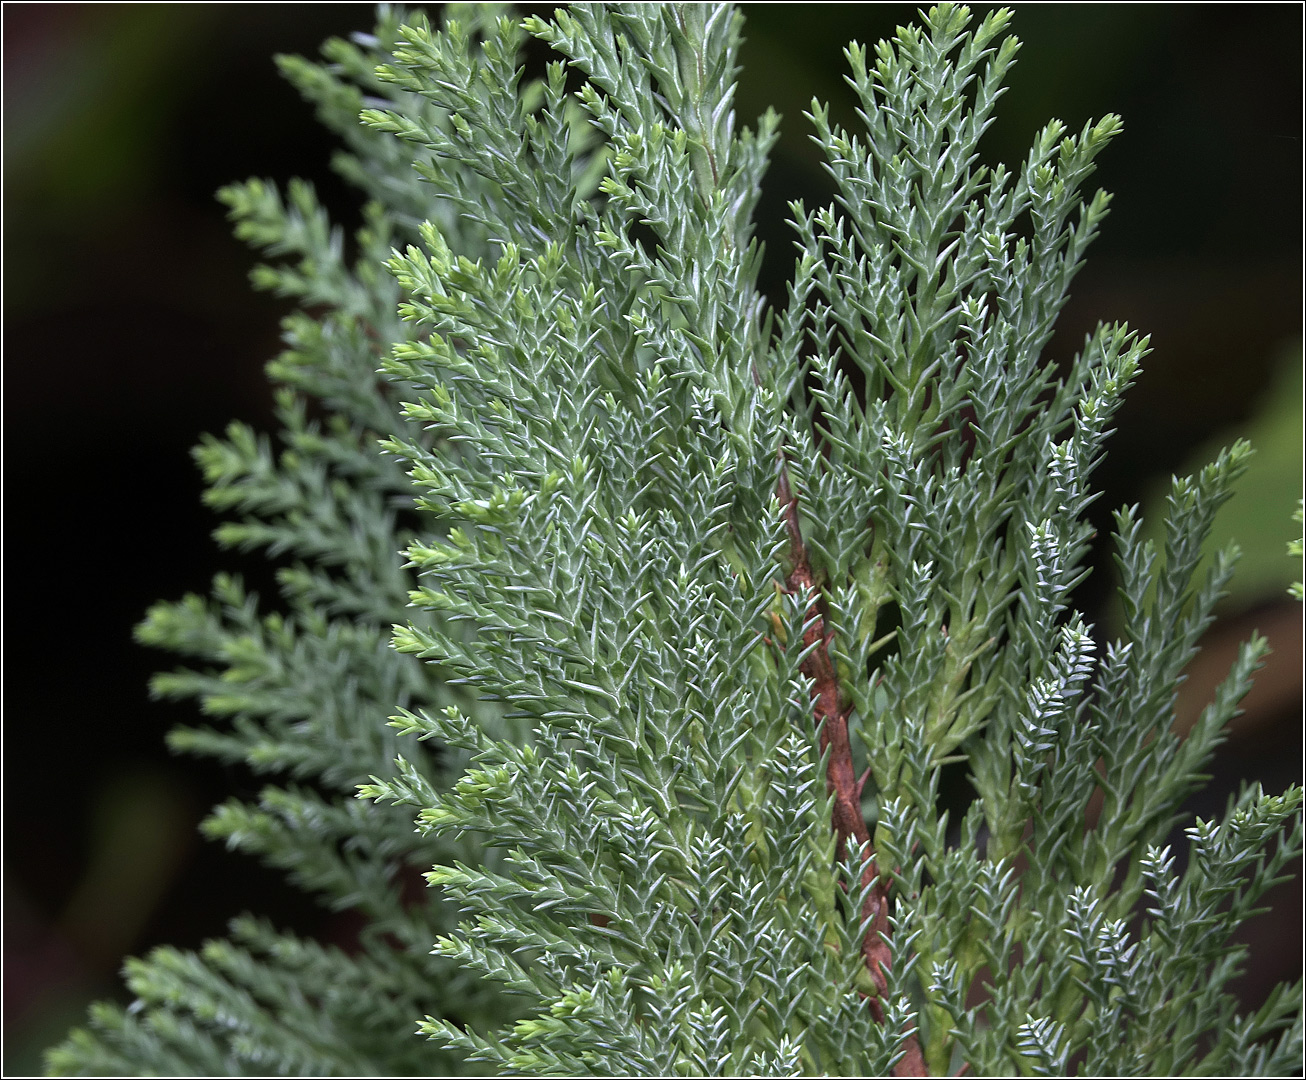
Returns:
point(699, 600)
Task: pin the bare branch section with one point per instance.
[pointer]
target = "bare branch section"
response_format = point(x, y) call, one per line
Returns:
point(832, 721)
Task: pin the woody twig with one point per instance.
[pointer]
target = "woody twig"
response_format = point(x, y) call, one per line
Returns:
point(831, 717)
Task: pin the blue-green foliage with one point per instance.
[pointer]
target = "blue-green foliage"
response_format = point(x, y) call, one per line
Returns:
point(300, 690)
point(603, 637)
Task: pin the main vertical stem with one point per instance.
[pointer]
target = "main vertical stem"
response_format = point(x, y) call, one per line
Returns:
point(832, 721)
point(699, 117)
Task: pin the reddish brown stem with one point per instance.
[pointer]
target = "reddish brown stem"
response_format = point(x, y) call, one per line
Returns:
point(832, 720)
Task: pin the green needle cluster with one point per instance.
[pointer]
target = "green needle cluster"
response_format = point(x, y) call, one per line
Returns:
point(676, 606)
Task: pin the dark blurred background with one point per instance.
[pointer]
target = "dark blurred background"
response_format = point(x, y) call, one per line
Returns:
point(129, 329)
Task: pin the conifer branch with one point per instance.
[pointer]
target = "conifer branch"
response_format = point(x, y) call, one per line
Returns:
point(623, 477)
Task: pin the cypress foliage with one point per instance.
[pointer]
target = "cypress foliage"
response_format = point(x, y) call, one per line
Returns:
point(699, 599)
